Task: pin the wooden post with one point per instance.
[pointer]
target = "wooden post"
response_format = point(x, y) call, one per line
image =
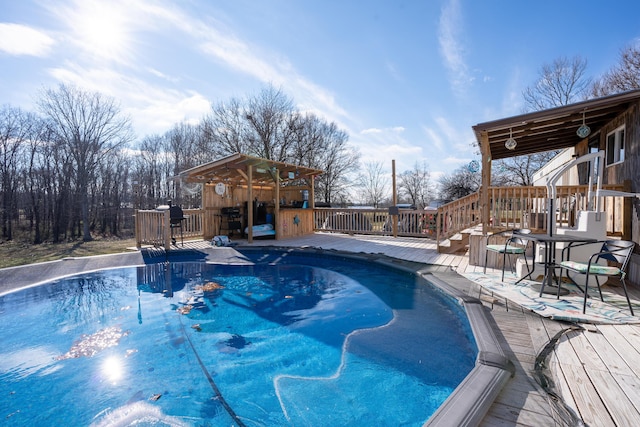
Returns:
point(136, 218)
point(209, 228)
point(276, 209)
point(167, 229)
point(250, 204)
point(394, 218)
point(627, 211)
point(486, 180)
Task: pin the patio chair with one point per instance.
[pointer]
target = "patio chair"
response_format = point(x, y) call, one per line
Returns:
point(617, 252)
point(176, 217)
point(516, 244)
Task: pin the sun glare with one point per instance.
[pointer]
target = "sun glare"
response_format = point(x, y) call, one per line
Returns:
point(102, 29)
point(112, 369)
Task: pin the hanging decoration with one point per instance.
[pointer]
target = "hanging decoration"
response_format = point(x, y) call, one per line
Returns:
point(474, 166)
point(584, 130)
point(511, 143)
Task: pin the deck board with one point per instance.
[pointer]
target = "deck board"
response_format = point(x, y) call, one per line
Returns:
point(596, 371)
point(627, 344)
point(587, 399)
point(614, 398)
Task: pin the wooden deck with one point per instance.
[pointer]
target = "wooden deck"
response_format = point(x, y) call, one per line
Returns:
point(594, 370)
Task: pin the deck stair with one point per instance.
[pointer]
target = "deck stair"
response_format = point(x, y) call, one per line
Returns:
point(457, 243)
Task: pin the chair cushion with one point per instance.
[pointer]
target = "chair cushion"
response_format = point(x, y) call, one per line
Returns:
point(581, 267)
point(508, 249)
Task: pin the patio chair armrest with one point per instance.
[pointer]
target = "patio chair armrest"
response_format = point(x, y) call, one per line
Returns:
point(593, 259)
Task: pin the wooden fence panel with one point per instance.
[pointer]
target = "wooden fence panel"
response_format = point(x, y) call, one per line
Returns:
point(416, 223)
point(152, 227)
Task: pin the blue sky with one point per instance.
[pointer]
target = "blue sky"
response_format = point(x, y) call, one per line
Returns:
point(405, 79)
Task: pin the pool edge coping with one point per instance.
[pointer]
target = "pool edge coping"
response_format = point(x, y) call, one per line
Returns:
point(471, 400)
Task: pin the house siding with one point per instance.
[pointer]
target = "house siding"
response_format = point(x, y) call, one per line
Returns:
point(627, 171)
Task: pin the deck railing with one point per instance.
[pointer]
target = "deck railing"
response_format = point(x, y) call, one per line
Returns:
point(509, 207)
point(416, 223)
point(153, 227)
point(457, 216)
point(526, 207)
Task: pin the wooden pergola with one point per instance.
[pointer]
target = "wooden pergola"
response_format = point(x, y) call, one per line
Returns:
point(546, 130)
point(240, 175)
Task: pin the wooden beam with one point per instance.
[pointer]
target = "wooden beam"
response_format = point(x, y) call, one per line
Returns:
point(244, 175)
point(627, 212)
point(485, 150)
point(312, 192)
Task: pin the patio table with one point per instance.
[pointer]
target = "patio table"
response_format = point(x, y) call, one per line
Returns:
point(550, 242)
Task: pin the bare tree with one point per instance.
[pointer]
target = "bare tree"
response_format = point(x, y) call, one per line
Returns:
point(519, 170)
point(461, 182)
point(34, 180)
point(321, 145)
point(374, 183)
point(151, 169)
point(14, 131)
point(268, 126)
point(89, 126)
point(622, 77)
point(267, 115)
point(560, 83)
point(225, 128)
point(416, 185)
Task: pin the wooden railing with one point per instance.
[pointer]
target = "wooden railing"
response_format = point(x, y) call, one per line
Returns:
point(416, 223)
point(457, 216)
point(153, 227)
point(509, 207)
point(526, 207)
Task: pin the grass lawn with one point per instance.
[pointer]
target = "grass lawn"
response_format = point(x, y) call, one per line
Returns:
point(14, 253)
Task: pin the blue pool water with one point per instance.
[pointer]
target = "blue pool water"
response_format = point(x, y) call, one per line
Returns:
point(304, 342)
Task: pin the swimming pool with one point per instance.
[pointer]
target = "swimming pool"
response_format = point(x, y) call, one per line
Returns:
point(283, 340)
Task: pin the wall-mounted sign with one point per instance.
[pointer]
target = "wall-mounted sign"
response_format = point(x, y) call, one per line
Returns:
point(220, 188)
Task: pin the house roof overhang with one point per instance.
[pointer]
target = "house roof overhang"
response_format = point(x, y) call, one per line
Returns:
point(551, 129)
point(234, 169)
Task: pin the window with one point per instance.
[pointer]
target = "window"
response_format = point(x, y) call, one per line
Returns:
point(615, 146)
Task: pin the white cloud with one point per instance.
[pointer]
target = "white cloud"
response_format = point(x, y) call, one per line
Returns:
point(456, 161)
point(392, 130)
point(163, 75)
point(371, 131)
point(451, 47)
point(115, 68)
point(18, 39)
point(154, 109)
point(449, 137)
point(381, 145)
point(219, 43)
point(434, 138)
